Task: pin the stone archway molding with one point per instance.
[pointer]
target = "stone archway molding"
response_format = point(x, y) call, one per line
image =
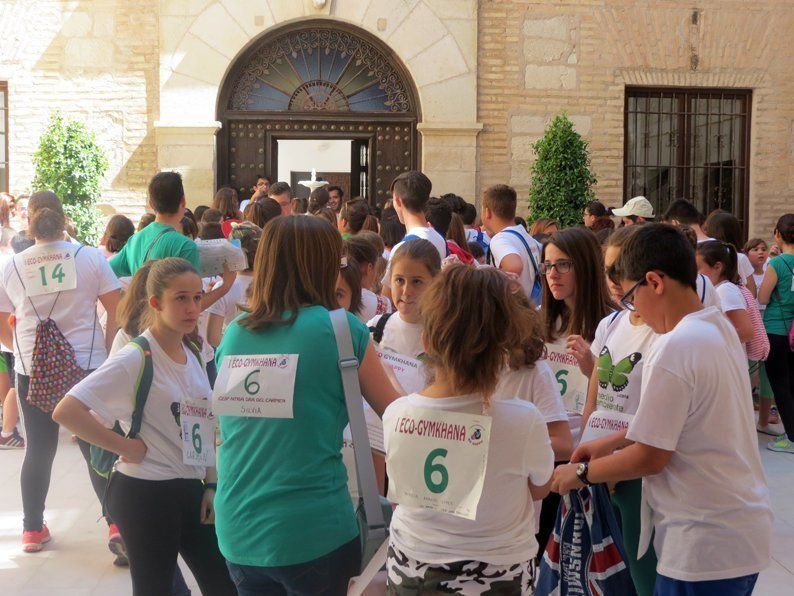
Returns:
point(436, 40)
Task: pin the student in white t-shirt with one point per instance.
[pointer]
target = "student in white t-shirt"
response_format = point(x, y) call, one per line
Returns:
point(511, 248)
point(25, 284)
point(413, 266)
point(757, 251)
point(162, 505)
point(621, 346)
point(717, 261)
point(708, 497)
point(226, 309)
point(366, 248)
point(465, 507)
point(410, 193)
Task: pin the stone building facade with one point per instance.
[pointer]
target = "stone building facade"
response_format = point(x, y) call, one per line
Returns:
point(487, 77)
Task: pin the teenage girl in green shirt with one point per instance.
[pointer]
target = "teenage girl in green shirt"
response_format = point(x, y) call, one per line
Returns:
point(284, 517)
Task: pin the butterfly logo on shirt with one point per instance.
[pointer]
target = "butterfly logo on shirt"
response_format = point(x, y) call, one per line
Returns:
point(617, 374)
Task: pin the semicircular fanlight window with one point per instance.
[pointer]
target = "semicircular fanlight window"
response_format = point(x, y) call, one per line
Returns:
point(319, 69)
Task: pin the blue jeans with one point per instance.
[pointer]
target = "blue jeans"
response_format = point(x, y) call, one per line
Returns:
point(737, 586)
point(327, 575)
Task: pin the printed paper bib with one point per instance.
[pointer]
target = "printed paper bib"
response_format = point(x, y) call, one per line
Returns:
point(256, 385)
point(605, 422)
point(437, 459)
point(198, 432)
point(572, 383)
point(46, 270)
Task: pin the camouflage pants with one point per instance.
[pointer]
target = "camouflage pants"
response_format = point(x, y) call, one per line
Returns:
point(408, 576)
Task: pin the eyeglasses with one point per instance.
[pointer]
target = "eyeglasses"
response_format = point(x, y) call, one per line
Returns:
point(562, 266)
point(627, 301)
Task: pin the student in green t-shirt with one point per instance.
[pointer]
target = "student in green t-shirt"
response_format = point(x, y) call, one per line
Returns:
point(284, 517)
point(162, 238)
point(777, 292)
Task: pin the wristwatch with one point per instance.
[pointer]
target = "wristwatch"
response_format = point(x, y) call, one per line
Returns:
point(581, 472)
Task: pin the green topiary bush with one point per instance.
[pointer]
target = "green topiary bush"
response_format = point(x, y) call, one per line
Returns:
point(561, 181)
point(70, 163)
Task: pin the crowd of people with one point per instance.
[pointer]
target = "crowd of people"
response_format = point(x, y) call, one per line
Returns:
point(510, 364)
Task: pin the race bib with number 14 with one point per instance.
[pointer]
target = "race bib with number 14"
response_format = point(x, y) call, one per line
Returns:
point(46, 270)
point(437, 459)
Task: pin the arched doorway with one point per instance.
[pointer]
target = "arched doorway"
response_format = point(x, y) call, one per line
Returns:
point(318, 79)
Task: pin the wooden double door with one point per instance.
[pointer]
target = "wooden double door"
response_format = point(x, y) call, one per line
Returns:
point(380, 149)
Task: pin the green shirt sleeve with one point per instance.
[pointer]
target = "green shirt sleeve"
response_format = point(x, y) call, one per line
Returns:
point(119, 263)
point(190, 253)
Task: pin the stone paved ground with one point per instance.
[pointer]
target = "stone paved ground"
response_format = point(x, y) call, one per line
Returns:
point(77, 562)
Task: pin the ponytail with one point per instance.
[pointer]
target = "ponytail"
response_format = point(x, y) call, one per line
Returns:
point(47, 219)
point(715, 251)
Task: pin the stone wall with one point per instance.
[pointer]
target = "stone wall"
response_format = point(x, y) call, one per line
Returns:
point(539, 57)
point(95, 61)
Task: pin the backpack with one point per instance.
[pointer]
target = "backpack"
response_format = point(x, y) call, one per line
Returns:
point(757, 348)
point(585, 554)
point(537, 289)
point(103, 460)
point(53, 364)
point(464, 256)
point(377, 329)
point(480, 239)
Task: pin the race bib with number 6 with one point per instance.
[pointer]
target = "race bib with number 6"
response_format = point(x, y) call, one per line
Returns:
point(437, 459)
point(198, 432)
point(46, 270)
point(260, 386)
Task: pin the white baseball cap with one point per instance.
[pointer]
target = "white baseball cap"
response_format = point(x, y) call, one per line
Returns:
point(639, 206)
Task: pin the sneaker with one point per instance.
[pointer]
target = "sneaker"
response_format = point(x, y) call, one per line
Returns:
point(773, 430)
point(116, 546)
point(12, 441)
point(782, 445)
point(34, 540)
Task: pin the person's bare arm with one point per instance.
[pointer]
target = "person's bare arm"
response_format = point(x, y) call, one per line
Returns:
point(74, 415)
point(111, 302)
point(6, 333)
point(375, 385)
point(767, 285)
point(214, 329)
point(512, 263)
point(741, 321)
point(227, 280)
point(561, 439)
point(539, 492)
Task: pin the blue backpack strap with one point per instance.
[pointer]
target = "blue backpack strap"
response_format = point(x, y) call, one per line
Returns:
point(526, 246)
point(703, 293)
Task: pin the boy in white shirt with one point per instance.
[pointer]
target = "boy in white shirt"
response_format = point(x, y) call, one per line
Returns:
point(511, 248)
point(410, 193)
point(709, 499)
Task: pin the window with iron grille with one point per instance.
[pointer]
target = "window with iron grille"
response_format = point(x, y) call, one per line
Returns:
point(3, 136)
point(690, 143)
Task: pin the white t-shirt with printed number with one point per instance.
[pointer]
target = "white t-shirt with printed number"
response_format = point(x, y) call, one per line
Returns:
point(620, 349)
point(505, 243)
point(710, 504)
point(519, 450)
point(75, 311)
point(571, 381)
point(110, 391)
